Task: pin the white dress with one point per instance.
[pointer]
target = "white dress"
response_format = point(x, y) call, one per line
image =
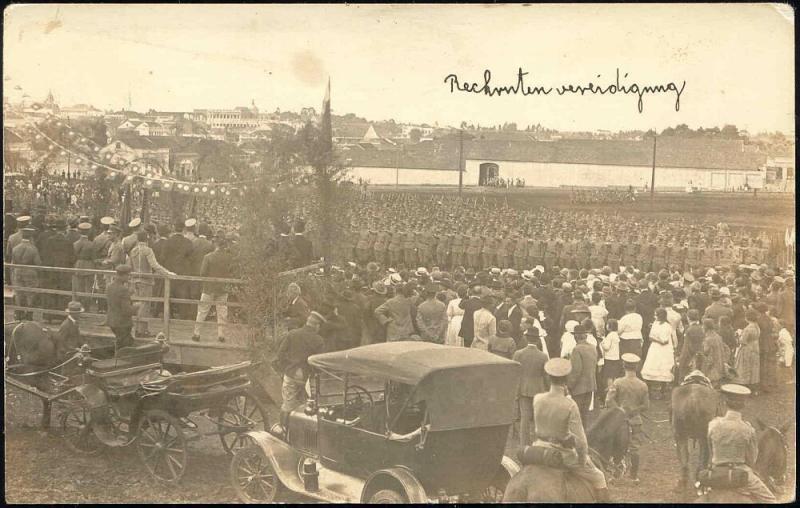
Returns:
point(454, 316)
point(660, 357)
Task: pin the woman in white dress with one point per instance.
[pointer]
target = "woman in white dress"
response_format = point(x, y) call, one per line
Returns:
point(660, 359)
point(454, 316)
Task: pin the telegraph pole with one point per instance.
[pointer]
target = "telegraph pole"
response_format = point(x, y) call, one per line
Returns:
point(653, 174)
point(460, 158)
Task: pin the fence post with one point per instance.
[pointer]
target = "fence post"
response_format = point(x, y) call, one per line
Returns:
point(74, 286)
point(166, 307)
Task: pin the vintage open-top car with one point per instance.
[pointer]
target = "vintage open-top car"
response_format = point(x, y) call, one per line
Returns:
point(390, 423)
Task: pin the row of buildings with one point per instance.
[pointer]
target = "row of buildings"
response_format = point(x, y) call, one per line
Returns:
point(183, 144)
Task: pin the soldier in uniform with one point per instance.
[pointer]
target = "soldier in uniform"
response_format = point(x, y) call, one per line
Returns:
point(380, 247)
point(410, 249)
point(363, 246)
point(396, 249)
point(505, 250)
point(84, 255)
point(25, 253)
point(708, 256)
point(584, 253)
point(614, 254)
point(552, 253)
point(733, 443)
point(457, 249)
point(130, 241)
point(630, 252)
point(692, 256)
point(538, 252)
point(474, 248)
point(423, 242)
point(15, 239)
point(521, 252)
point(489, 252)
point(678, 254)
point(443, 246)
point(599, 252)
point(630, 394)
point(558, 426)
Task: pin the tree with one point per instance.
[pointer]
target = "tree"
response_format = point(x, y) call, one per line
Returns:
point(415, 135)
point(730, 132)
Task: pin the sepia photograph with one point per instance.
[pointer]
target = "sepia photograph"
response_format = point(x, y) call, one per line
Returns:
point(399, 253)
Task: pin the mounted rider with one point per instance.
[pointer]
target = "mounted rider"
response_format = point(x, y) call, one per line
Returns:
point(734, 444)
point(559, 427)
point(630, 394)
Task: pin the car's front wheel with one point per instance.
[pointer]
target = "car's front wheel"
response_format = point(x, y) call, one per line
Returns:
point(253, 477)
point(387, 496)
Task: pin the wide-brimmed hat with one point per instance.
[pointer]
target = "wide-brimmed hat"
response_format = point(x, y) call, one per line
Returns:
point(379, 287)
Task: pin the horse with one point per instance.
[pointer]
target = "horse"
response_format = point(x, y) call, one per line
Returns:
point(31, 347)
point(770, 466)
point(693, 407)
point(609, 436)
point(536, 483)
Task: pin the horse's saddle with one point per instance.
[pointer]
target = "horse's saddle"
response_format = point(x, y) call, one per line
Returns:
point(697, 378)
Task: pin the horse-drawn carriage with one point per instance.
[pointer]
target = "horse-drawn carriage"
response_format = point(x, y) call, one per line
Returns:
point(129, 399)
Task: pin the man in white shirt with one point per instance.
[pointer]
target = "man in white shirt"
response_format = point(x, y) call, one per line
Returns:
point(485, 324)
point(599, 314)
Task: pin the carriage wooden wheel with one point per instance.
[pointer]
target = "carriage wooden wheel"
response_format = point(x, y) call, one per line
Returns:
point(76, 427)
point(161, 444)
point(253, 476)
point(244, 412)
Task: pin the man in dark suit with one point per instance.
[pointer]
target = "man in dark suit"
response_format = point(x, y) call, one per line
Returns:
point(470, 306)
point(58, 251)
point(120, 307)
point(533, 381)
point(73, 235)
point(582, 380)
point(510, 311)
point(303, 248)
point(177, 258)
point(201, 246)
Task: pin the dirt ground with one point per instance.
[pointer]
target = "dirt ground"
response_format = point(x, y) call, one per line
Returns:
point(41, 469)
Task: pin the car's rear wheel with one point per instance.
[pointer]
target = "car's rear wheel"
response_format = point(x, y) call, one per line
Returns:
point(387, 496)
point(253, 477)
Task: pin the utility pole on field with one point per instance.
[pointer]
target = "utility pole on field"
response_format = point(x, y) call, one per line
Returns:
point(653, 174)
point(460, 158)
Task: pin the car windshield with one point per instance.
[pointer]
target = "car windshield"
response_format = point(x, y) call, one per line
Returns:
point(369, 403)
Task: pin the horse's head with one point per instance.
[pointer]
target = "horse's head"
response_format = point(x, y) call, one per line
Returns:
point(772, 451)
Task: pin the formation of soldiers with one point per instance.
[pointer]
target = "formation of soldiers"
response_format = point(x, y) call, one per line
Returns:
point(408, 231)
point(585, 196)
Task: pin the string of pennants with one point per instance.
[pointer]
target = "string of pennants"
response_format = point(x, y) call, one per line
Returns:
point(127, 172)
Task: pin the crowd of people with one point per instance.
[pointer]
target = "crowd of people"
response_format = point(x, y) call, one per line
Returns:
point(408, 230)
point(505, 183)
point(732, 323)
point(183, 248)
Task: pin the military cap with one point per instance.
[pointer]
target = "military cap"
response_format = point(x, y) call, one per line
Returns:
point(558, 367)
point(190, 223)
point(540, 268)
point(123, 269)
point(735, 390)
point(84, 218)
point(29, 230)
point(630, 358)
point(107, 221)
point(84, 226)
point(421, 271)
point(22, 219)
point(135, 223)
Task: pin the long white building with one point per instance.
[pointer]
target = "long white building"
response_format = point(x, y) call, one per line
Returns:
point(680, 163)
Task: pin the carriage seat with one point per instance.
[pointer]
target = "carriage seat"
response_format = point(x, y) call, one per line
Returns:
point(128, 357)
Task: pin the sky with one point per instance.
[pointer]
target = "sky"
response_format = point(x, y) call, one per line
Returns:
point(390, 62)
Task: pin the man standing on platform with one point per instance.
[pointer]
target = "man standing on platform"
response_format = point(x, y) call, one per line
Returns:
point(201, 246)
point(218, 264)
point(143, 260)
point(177, 259)
point(25, 253)
point(84, 253)
point(130, 241)
point(120, 307)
